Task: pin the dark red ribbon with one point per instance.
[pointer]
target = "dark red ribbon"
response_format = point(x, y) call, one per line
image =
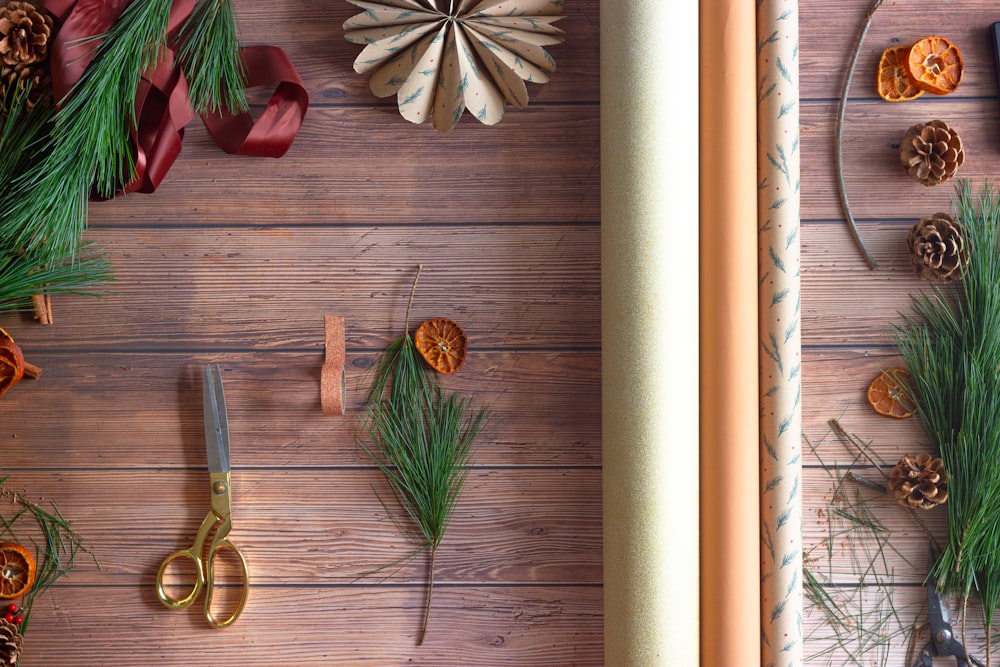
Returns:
point(163, 107)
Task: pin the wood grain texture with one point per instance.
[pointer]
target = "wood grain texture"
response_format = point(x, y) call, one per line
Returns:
point(849, 310)
point(236, 260)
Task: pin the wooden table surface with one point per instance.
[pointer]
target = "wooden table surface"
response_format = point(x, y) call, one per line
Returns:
point(848, 309)
point(237, 260)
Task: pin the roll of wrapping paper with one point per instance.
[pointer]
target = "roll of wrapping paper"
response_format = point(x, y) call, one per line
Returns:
point(780, 340)
point(649, 314)
point(730, 518)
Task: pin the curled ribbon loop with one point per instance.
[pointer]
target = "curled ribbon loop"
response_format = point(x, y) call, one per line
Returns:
point(163, 107)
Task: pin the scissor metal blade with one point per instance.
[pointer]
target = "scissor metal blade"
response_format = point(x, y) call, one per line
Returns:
point(216, 421)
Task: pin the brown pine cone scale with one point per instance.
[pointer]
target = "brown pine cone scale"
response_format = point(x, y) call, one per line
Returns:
point(919, 481)
point(931, 152)
point(10, 643)
point(938, 248)
point(24, 33)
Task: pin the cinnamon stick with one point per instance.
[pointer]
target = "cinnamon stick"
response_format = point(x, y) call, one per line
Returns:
point(43, 308)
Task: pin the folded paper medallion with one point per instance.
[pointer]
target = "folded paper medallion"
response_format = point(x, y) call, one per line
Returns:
point(440, 57)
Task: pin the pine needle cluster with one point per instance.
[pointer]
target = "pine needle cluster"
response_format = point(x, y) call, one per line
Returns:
point(60, 547)
point(951, 346)
point(54, 156)
point(420, 437)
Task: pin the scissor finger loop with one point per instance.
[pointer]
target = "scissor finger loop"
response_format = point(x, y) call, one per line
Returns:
point(199, 583)
point(210, 586)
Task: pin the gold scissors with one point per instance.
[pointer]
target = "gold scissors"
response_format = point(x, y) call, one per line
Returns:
point(220, 518)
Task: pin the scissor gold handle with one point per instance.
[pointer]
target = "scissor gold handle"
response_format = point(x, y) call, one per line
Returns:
point(199, 583)
point(217, 546)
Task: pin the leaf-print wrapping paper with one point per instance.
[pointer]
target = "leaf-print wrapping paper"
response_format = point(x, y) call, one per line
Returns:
point(780, 339)
point(649, 329)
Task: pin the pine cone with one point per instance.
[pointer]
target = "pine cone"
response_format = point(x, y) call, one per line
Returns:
point(10, 643)
point(919, 481)
point(931, 152)
point(938, 248)
point(24, 33)
point(18, 77)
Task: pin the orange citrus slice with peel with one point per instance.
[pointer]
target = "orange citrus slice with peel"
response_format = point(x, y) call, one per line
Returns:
point(886, 395)
point(17, 570)
point(935, 65)
point(11, 362)
point(442, 343)
point(893, 78)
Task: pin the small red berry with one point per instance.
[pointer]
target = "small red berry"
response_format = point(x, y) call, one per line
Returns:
point(19, 620)
point(12, 607)
point(9, 617)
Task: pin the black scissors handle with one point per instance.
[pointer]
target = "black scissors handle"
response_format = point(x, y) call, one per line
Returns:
point(930, 651)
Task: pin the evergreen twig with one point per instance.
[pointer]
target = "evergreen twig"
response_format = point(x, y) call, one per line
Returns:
point(421, 439)
point(45, 208)
point(951, 346)
point(209, 56)
point(56, 557)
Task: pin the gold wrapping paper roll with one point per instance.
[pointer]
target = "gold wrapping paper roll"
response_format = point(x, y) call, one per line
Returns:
point(649, 314)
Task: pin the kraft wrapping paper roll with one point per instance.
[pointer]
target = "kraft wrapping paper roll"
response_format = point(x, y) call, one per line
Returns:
point(649, 313)
point(780, 339)
point(730, 517)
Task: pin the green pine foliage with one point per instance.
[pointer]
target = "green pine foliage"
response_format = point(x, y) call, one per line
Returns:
point(209, 56)
point(420, 436)
point(53, 157)
point(951, 345)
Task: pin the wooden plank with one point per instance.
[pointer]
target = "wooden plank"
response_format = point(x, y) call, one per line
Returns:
point(350, 165)
point(877, 185)
point(205, 288)
point(851, 533)
point(844, 302)
point(302, 527)
point(828, 31)
point(312, 35)
point(837, 382)
point(375, 626)
point(144, 410)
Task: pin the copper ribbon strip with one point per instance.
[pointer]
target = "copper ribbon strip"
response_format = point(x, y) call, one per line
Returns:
point(333, 383)
point(163, 107)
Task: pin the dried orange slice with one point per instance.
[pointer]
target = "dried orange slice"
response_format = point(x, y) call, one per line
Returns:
point(886, 396)
point(935, 64)
point(442, 343)
point(893, 78)
point(17, 570)
point(11, 362)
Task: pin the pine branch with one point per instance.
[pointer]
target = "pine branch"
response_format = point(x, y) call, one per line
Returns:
point(420, 438)
point(209, 56)
point(951, 345)
point(22, 276)
point(45, 209)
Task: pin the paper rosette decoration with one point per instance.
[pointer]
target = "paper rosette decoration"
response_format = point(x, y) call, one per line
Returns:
point(440, 57)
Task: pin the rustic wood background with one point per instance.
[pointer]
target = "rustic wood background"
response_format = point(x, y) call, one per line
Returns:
point(237, 260)
point(848, 309)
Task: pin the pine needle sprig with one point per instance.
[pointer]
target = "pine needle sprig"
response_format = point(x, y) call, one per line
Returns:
point(56, 556)
point(89, 146)
point(951, 346)
point(22, 276)
point(421, 439)
point(25, 273)
point(209, 56)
